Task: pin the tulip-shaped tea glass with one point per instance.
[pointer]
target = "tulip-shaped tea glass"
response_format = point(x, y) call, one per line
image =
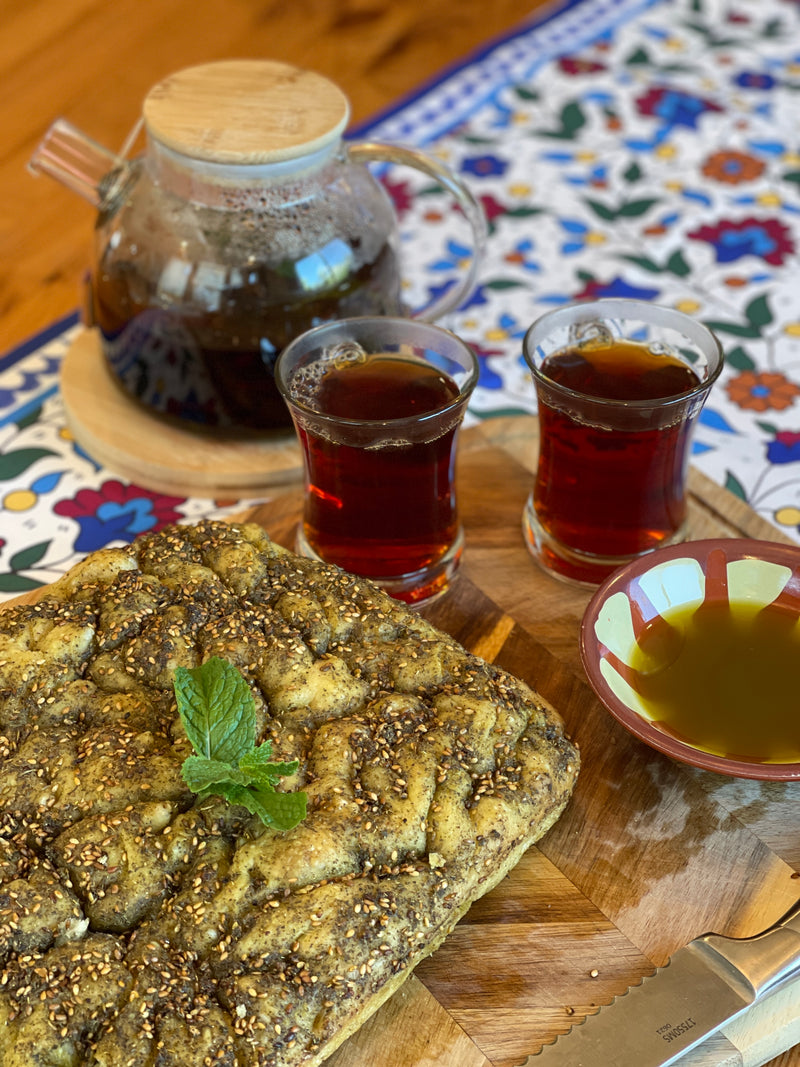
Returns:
point(377, 403)
point(619, 386)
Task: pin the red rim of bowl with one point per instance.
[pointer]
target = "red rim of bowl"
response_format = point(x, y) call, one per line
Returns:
point(735, 549)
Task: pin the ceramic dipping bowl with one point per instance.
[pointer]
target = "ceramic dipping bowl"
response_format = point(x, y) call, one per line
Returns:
point(675, 582)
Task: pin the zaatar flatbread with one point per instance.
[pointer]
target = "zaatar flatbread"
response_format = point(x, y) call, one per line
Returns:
point(142, 926)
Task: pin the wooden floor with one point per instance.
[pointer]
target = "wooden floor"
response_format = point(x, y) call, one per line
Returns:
point(94, 60)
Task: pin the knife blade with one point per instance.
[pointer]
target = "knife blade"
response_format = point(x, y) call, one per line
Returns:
point(702, 987)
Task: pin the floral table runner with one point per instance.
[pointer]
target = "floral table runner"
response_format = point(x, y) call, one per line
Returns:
point(619, 147)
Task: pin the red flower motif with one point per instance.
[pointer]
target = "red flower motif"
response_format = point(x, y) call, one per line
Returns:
point(399, 194)
point(575, 65)
point(116, 512)
point(768, 239)
point(493, 208)
point(673, 107)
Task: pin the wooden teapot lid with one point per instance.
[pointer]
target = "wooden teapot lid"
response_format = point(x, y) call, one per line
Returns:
point(245, 111)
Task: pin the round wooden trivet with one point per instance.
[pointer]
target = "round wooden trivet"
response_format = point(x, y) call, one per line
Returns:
point(157, 455)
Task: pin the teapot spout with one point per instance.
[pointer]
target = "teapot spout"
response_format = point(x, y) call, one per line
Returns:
point(78, 162)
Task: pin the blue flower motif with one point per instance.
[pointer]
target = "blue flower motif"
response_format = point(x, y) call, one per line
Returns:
point(116, 512)
point(458, 253)
point(478, 298)
point(577, 232)
point(47, 482)
point(770, 148)
point(616, 287)
point(785, 448)
point(96, 533)
point(520, 255)
point(768, 239)
point(484, 166)
point(488, 378)
point(510, 326)
point(675, 108)
point(715, 420)
point(753, 79)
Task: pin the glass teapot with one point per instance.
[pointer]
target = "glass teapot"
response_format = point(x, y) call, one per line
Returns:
point(246, 220)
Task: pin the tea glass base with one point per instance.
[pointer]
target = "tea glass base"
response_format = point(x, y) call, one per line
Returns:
point(415, 588)
point(570, 566)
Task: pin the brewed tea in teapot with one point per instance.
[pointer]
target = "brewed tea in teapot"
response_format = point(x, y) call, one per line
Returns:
point(246, 220)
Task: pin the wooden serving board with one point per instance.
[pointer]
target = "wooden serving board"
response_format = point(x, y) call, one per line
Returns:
point(649, 853)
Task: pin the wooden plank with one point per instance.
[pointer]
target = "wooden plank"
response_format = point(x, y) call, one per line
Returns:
point(94, 61)
point(648, 854)
point(412, 1028)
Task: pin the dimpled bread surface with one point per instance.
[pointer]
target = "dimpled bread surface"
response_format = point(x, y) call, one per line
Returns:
point(140, 925)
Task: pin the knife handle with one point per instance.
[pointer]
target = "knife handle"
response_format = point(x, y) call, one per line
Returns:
point(761, 963)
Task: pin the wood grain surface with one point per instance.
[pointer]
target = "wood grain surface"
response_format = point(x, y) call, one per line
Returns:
point(649, 854)
point(93, 62)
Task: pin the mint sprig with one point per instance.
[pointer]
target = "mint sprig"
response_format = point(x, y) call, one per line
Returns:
point(218, 713)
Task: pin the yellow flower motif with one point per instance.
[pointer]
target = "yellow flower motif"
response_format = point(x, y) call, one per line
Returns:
point(666, 151)
point(20, 500)
point(675, 44)
point(673, 187)
point(585, 157)
point(792, 158)
point(594, 237)
point(792, 329)
point(496, 335)
point(520, 190)
point(66, 434)
point(769, 199)
point(688, 307)
point(788, 516)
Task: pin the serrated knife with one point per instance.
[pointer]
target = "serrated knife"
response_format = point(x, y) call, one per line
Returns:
point(703, 986)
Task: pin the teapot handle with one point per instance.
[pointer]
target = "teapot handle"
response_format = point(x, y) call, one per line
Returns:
point(374, 151)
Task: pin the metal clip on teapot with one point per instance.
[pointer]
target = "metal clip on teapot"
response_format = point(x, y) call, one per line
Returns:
point(246, 220)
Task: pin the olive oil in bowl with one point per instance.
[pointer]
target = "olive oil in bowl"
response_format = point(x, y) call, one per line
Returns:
point(724, 678)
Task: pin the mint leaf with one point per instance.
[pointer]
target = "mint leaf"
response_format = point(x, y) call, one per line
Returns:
point(263, 778)
point(217, 709)
point(200, 774)
point(281, 811)
point(218, 713)
point(263, 771)
point(260, 754)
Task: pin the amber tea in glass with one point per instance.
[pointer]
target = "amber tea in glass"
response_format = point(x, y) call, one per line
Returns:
point(619, 386)
point(377, 403)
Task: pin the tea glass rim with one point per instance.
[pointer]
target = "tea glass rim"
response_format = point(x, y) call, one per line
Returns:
point(341, 326)
point(627, 308)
